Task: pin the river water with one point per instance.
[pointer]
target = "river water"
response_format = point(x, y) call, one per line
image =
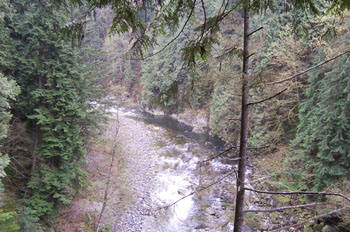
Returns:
point(163, 166)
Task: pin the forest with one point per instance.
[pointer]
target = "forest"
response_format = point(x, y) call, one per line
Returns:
point(267, 81)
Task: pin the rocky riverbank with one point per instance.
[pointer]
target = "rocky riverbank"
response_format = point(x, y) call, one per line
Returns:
point(154, 167)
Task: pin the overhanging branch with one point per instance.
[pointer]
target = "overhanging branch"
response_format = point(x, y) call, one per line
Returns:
point(309, 69)
point(266, 99)
point(199, 190)
point(260, 28)
point(281, 208)
point(311, 219)
point(300, 192)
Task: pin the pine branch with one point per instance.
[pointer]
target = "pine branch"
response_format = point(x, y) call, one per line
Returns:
point(300, 192)
point(267, 99)
point(309, 69)
point(282, 208)
point(311, 219)
point(177, 36)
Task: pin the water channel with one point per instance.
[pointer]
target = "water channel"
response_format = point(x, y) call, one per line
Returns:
point(170, 170)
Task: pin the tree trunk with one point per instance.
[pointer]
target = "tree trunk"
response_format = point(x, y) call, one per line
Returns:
point(35, 147)
point(243, 148)
point(36, 126)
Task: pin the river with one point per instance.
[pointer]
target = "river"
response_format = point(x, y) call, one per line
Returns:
point(158, 164)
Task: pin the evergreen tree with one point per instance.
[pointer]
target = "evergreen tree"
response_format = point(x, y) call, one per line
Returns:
point(54, 102)
point(322, 140)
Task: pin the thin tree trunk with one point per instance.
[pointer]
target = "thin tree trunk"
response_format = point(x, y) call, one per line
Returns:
point(36, 129)
point(243, 148)
point(35, 147)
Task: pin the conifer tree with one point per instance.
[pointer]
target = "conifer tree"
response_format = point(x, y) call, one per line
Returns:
point(54, 102)
point(324, 116)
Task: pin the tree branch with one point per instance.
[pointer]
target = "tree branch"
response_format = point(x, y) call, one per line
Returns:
point(105, 196)
point(230, 148)
point(260, 28)
point(311, 219)
point(282, 208)
point(205, 19)
point(300, 192)
point(266, 99)
point(216, 156)
point(199, 190)
point(309, 69)
point(175, 38)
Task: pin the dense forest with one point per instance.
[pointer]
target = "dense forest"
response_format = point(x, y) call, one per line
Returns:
point(269, 78)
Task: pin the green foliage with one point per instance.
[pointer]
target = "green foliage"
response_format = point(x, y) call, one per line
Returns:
point(224, 110)
point(161, 77)
point(321, 141)
point(54, 102)
point(8, 221)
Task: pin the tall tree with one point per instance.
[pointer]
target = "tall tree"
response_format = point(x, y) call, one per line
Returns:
point(321, 140)
point(168, 14)
point(53, 101)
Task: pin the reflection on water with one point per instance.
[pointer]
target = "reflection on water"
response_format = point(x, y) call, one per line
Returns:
point(179, 128)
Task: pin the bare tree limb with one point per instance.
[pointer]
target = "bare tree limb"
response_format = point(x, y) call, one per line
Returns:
point(105, 197)
point(311, 219)
point(282, 208)
point(216, 156)
point(260, 179)
point(309, 69)
point(205, 19)
point(228, 149)
point(266, 99)
point(199, 190)
point(300, 192)
point(260, 28)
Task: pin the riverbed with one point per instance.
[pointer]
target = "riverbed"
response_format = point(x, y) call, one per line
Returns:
point(159, 163)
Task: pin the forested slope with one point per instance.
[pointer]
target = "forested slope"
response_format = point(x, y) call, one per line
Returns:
point(181, 57)
point(46, 83)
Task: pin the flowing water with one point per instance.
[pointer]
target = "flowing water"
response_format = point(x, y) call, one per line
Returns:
point(175, 172)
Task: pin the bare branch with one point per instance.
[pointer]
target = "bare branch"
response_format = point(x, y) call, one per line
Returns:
point(266, 99)
point(205, 19)
point(300, 192)
point(251, 55)
point(309, 69)
point(311, 219)
point(216, 156)
point(105, 197)
point(260, 28)
point(260, 179)
point(282, 208)
point(199, 190)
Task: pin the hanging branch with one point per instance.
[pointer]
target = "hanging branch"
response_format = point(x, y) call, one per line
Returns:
point(177, 36)
point(282, 208)
point(266, 99)
point(309, 69)
point(311, 219)
point(300, 192)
